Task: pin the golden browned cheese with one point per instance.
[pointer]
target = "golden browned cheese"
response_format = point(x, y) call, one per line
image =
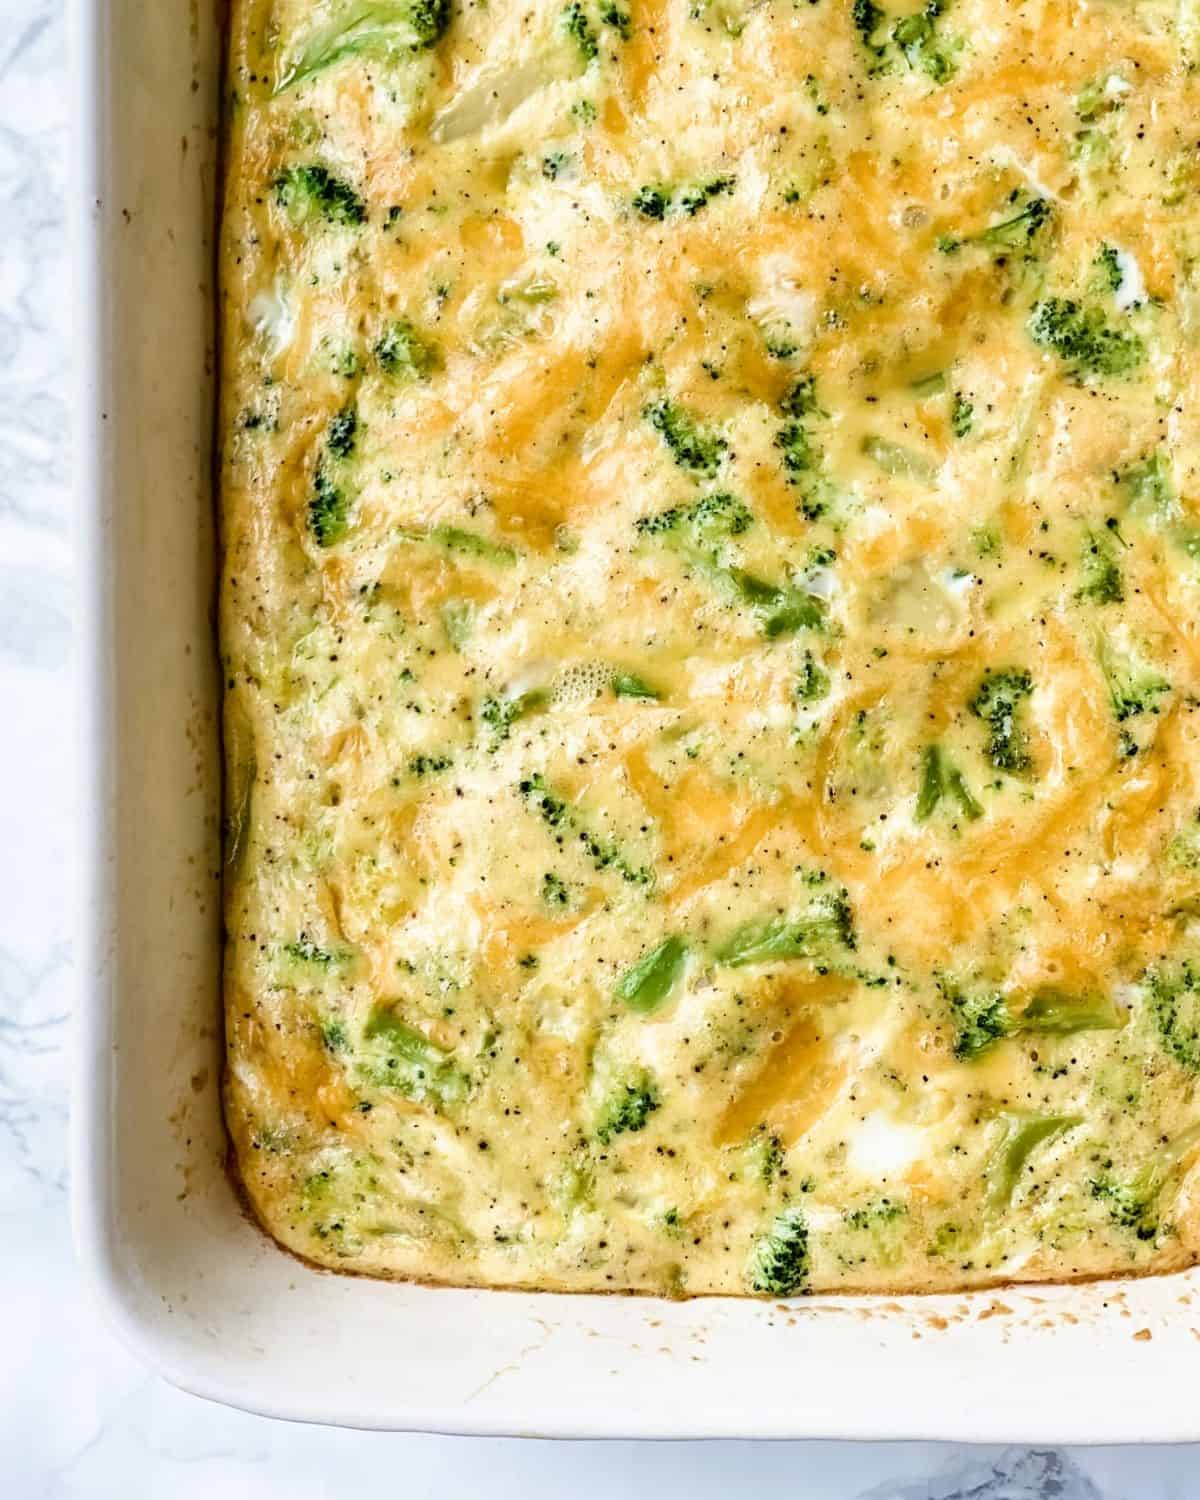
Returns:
point(709, 618)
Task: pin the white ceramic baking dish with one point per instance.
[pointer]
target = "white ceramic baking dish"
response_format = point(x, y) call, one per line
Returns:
point(192, 1286)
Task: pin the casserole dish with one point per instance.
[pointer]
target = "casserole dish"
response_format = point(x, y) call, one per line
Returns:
point(198, 1291)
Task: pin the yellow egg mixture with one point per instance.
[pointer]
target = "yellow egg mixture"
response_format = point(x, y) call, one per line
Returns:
point(712, 566)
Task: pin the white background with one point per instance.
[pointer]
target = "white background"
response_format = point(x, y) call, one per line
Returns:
point(78, 1417)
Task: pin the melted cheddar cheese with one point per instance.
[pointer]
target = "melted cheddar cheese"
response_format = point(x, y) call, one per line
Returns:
point(709, 621)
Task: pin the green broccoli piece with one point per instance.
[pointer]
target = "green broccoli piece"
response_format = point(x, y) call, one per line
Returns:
point(334, 1037)
point(647, 986)
point(898, 461)
point(693, 199)
point(1148, 489)
point(982, 1018)
point(396, 1056)
point(1131, 1205)
point(962, 416)
point(940, 778)
point(328, 510)
point(1134, 1203)
point(1083, 340)
point(1023, 1131)
point(305, 951)
point(313, 192)
point(1133, 689)
point(812, 681)
point(578, 28)
point(627, 1108)
point(329, 504)
point(1017, 232)
point(560, 818)
point(1101, 570)
point(652, 202)
point(868, 19)
point(343, 433)
point(765, 1153)
point(620, 21)
point(697, 449)
point(630, 685)
point(554, 890)
point(997, 702)
point(382, 29)
point(705, 523)
point(780, 610)
point(402, 352)
point(1173, 994)
point(500, 714)
point(778, 1265)
point(800, 400)
point(1108, 269)
point(825, 929)
point(924, 48)
point(466, 543)
point(1014, 233)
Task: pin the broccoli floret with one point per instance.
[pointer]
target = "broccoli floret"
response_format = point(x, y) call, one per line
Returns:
point(997, 702)
point(693, 199)
point(646, 986)
point(305, 951)
point(612, 15)
point(778, 1265)
point(630, 685)
point(1133, 689)
point(802, 461)
point(1133, 1203)
point(868, 19)
point(627, 1108)
point(314, 192)
point(1130, 1204)
point(1101, 571)
point(334, 1036)
point(343, 433)
point(401, 351)
point(329, 504)
point(500, 714)
point(697, 449)
point(1017, 232)
point(1173, 995)
point(1148, 489)
point(652, 202)
point(560, 818)
point(981, 1019)
point(812, 681)
point(962, 416)
point(1108, 268)
point(765, 1153)
point(825, 930)
point(394, 1055)
point(940, 778)
point(578, 28)
point(385, 29)
point(1083, 340)
point(923, 46)
point(1023, 1132)
point(554, 890)
point(328, 509)
point(800, 399)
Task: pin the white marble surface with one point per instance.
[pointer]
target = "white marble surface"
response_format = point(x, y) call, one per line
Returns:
point(78, 1416)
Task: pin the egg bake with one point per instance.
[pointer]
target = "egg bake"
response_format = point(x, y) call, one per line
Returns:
point(712, 561)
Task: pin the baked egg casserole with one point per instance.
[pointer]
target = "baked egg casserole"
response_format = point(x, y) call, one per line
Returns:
point(711, 530)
